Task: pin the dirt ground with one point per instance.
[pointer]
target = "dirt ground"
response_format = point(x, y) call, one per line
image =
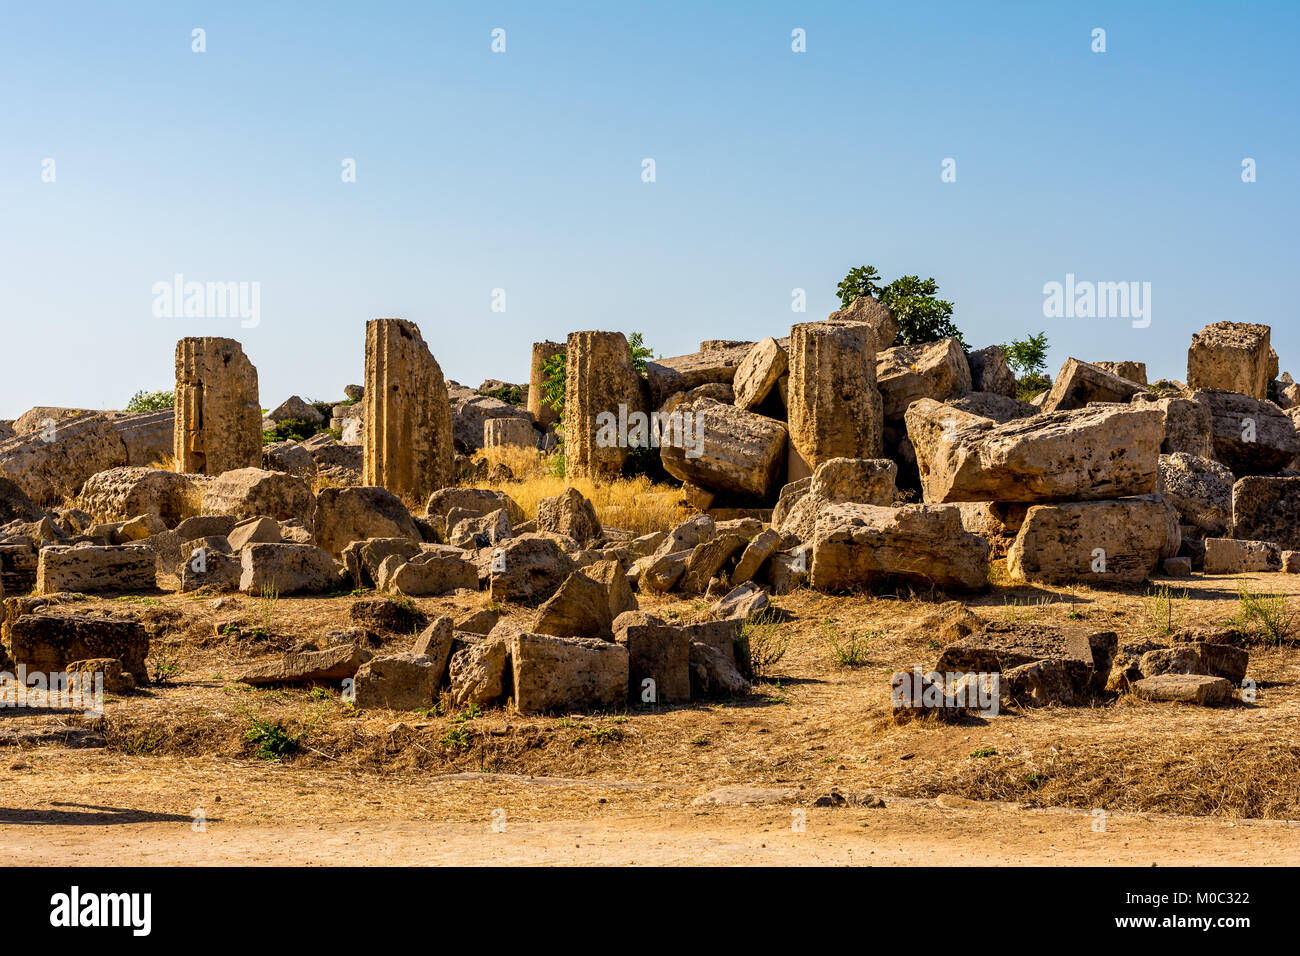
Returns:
point(797, 773)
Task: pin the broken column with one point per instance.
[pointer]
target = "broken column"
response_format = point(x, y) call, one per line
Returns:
point(542, 412)
point(407, 444)
point(835, 408)
point(218, 414)
point(602, 391)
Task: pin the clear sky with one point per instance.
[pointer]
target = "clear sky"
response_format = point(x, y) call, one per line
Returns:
point(522, 171)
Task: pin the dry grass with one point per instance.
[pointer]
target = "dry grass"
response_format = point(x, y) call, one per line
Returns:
point(633, 504)
point(813, 722)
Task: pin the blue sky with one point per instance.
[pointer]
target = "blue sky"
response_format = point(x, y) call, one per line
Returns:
point(521, 171)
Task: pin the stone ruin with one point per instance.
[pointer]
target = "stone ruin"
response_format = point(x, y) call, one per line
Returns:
point(832, 458)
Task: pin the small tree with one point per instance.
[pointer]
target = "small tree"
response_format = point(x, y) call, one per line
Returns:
point(1028, 358)
point(143, 401)
point(922, 316)
point(859, 282)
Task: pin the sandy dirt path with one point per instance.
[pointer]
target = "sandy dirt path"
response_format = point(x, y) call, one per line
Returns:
point(946, 832)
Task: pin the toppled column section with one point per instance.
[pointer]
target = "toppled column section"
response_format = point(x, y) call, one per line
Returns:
point(407, 444)
point(218, 414)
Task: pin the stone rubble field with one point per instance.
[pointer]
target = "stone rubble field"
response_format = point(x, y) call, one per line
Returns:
point(439, 580)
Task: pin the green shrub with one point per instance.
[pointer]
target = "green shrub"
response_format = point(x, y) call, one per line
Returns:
point(150, 401)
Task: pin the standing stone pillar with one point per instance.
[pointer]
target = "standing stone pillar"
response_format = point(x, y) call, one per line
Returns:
point(542, 413)
point(601, 390)
point(835, 408)
point(408, 441)
point(218, 423)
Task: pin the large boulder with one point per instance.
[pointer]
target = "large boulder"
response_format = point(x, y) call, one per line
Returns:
point(1000, 408)
point(397, 682)
point(866, 481)
point(91, 568)
point(1078, 384)
point(855, 546)
point(1232, 556)
point(509, 432)
point(121, 493)
point(1001, 647)
point(331, 665)
point(1267, 509)
point(681, 373)
point(287, 569)
point(556, 673)
point(344, 515)
point(569, 513)
point(1135, 372)
point(759, 373)
point(149, 437)
point(48, 641)
point(479, 501)
point(725, 448)
point(580, 608)
point(15, 505)
point(1200, 491)
point(437, 569)
point(54, 462)
point(528, 570)
point(1232, 357)
point(1251, 437)
point(835, 408)
point(293, 408)
point(1098, 452)
point(249, 492)
point(989, 372)
point(482, 421)
point(479, 672)
point(936, 370)
point(1189, 423)
point(1095, 542)
point(658, 652)
point(872, 312)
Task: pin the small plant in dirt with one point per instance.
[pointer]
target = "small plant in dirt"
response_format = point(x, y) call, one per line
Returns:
point(471, 712)
point(984, 752)
point(455, 739)
point(851, 648)
point(1164, 607)
point(270, 740)
point(319, 693)
point(763, 643)
point(165, 669)
point(267, 600)
point(1266, 617)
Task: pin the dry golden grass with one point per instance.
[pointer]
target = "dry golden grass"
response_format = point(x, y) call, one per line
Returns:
point(633, 504)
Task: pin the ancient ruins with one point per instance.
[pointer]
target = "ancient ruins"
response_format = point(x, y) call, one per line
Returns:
point(833, 459)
